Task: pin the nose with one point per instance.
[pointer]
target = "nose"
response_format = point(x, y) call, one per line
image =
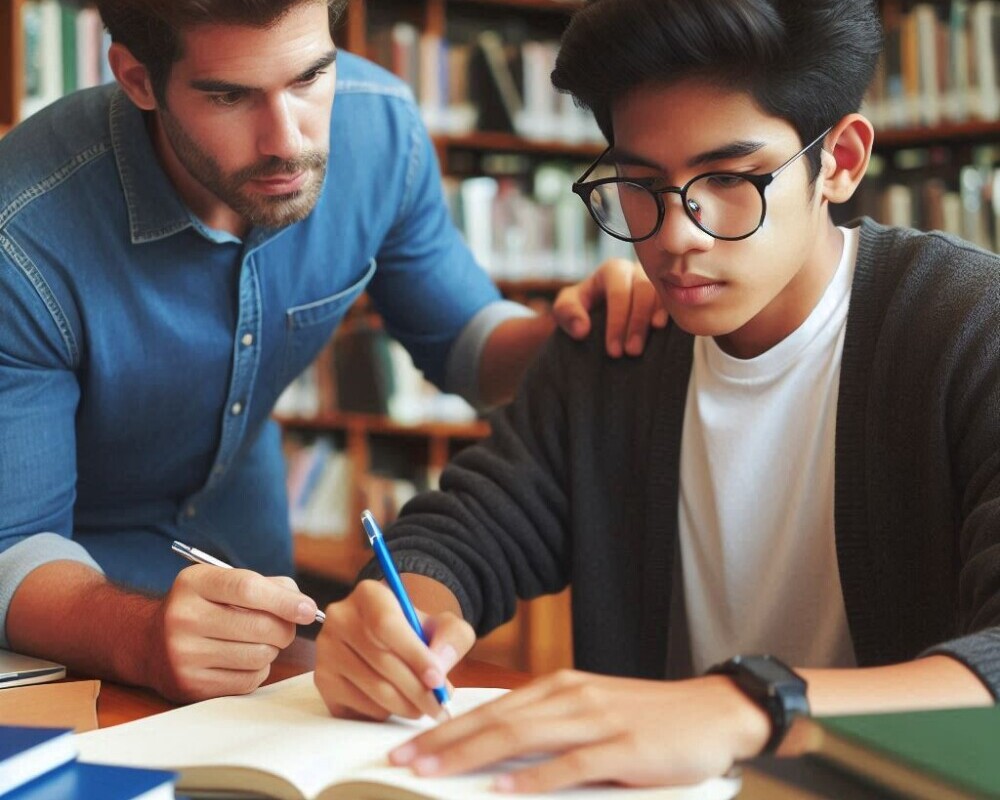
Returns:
point(678, 234)
point(279, 135)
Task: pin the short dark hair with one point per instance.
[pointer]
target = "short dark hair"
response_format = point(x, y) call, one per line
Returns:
point(805, 61)
point(151, 29)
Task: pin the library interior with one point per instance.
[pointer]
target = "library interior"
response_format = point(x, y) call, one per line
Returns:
point(362, 427)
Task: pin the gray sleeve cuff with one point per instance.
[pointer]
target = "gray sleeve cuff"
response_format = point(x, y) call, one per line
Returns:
point(979, 652)
point(419, 564)
point(28, 554)
point(462, 370)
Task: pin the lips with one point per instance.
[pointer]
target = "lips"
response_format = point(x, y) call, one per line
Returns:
point(280, 184)
point(690, 290)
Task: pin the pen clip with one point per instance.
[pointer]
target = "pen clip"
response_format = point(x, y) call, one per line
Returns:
point(371, 527)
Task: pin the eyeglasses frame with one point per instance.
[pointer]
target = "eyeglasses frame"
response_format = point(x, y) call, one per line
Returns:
point(584, 188)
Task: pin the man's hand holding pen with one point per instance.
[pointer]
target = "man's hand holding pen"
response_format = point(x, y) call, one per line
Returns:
point(218, 630)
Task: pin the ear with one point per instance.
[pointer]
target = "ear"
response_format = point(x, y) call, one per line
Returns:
point(846, 153)
point(132, 76)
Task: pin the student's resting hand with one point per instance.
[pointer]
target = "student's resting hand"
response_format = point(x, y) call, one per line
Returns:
point(370, 663)
point(631, 301)
point(598, 729)
point(218, 630)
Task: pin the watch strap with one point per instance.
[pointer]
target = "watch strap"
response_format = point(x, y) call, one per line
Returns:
point(774, 686)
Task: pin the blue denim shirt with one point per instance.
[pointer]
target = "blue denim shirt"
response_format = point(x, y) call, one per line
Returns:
point(141, 352)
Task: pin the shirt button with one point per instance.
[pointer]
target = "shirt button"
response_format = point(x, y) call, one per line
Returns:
point(190, 511)
point(236, 409)
point(218, 470)
point(247, 339)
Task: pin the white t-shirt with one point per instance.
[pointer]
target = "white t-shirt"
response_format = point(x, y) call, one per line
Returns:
point(758, 557)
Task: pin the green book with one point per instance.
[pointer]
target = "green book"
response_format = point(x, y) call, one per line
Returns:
point(939, 755)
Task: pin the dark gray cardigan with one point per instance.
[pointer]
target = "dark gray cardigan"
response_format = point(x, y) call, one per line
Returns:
point(578, 484)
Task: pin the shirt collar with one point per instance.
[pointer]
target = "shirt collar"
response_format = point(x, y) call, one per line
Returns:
point(154, 209)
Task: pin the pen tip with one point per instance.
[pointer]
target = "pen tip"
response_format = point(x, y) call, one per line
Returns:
point(446, 712)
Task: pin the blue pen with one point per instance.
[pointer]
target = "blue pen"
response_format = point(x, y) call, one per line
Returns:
point(392, 576)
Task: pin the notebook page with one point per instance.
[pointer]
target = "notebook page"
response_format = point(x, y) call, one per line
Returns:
point(285, 729)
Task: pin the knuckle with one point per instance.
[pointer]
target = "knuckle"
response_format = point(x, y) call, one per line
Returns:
point(251, 680)
point(260, 656)
point(565, 678)
point(385, 695)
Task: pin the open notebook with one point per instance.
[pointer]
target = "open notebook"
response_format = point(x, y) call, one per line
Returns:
point(280, 742)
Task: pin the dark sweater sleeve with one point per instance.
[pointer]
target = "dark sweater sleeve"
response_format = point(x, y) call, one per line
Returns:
point(498, 528)
point(974, 430)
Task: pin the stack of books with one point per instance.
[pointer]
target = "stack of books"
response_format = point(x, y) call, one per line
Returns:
point(41, 764)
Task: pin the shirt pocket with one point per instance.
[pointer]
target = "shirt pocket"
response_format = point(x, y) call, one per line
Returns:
point(308, 327)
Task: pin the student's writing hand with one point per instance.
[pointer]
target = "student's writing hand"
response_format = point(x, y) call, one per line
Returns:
point(218, 630)
point(370, 663)
point(632, 304)
point(598, 729)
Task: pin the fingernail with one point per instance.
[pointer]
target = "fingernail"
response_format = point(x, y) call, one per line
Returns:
point(447, 657)
point(426, 765)
point(660, 319)
point(634, 345)
point(307, 610)
point(433, 678)
point(577, 327)
point(403, 754)
point(503, 783)
point(614, 350)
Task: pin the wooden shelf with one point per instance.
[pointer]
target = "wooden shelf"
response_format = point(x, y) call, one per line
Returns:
point(492, 141)
point(947, 135)
point(376, 423)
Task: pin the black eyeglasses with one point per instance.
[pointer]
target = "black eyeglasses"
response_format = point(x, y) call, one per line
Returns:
point(725, 205)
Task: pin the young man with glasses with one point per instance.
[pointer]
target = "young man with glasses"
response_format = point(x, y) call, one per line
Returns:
point(791, 502)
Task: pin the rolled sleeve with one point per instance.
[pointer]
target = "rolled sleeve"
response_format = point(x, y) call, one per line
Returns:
point(27, 555)
point(462, 371)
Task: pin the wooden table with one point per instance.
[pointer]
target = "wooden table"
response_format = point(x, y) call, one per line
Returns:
point(117, 703)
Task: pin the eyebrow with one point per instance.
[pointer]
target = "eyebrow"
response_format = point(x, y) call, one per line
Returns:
point(738, 149)
point(220, 87)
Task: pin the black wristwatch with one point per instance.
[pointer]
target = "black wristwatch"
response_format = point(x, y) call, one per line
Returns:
point(772, 685)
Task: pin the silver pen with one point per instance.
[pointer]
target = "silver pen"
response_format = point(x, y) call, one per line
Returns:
point(200, 557)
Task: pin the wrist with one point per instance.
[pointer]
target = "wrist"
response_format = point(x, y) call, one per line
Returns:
point(750, 723)
point(774, 687)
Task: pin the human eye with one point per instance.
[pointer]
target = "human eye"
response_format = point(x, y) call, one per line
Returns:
point(725, 180)
point(311, 77)
point(226, 99)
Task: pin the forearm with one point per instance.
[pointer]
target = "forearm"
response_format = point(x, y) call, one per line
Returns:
point(933, 682)
point(68, 612)
point(509, 350)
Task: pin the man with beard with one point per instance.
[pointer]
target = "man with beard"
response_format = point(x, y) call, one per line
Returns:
point(173, 252)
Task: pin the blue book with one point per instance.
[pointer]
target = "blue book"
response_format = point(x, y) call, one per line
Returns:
point(26, 753)
point(78, 781)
